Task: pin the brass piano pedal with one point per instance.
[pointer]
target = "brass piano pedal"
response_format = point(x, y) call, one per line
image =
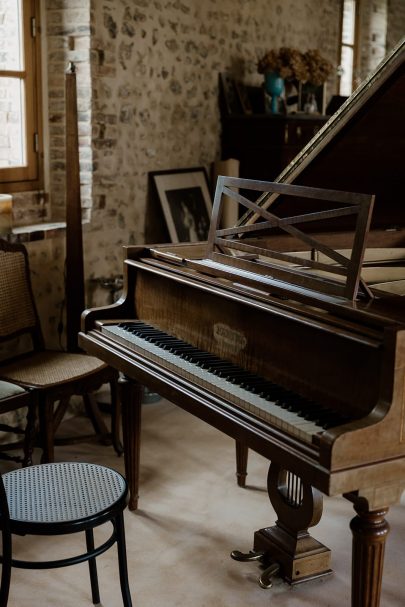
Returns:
point(258, 555)
point(252, 555)
point(267, 575)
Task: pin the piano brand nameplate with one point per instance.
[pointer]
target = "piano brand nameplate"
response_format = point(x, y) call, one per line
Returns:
point(228, 338)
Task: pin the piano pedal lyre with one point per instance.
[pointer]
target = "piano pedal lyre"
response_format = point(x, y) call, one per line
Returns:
point(287, 549)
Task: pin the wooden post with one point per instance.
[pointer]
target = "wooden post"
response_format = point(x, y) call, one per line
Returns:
point(74, 281)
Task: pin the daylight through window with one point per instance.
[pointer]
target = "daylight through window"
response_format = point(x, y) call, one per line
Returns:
point(19, 96)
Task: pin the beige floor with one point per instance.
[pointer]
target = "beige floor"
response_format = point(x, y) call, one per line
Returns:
point(192, 514)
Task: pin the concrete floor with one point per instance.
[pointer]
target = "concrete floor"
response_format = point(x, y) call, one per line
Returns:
point(192, 515)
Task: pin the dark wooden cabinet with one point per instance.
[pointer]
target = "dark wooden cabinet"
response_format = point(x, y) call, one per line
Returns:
point(266, 143)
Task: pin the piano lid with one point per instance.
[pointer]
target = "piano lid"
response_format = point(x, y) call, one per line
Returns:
point(360, 149)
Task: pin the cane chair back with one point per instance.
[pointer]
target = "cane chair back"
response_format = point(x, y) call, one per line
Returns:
point(18, 313)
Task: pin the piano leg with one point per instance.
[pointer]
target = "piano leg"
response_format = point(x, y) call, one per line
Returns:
point(130, 394)
point(287, 549)
point(241, 462)
point(370, 530)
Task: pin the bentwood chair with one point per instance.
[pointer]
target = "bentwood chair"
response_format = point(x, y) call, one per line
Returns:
point(6, 547)
point(58, 499)
point(52, 376)
point(17, 408)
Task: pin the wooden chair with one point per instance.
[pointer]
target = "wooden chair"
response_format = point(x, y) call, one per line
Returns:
point(14, 399)
point(52, 376)
point(58, 499)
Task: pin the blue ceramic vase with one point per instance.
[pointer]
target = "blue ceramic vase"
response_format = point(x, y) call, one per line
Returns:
point(274, 85)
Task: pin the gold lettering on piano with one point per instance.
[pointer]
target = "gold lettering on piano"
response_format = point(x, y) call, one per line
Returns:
point(229, 338)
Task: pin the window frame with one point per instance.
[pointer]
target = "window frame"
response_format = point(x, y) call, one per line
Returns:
point(355, 46)
point(29, 177)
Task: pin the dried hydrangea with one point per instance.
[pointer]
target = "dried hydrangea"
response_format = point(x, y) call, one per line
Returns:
point(318, 67)
point(292, 64)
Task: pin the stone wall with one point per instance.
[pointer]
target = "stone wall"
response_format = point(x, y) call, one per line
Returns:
point(147, 75)
point(155, 93)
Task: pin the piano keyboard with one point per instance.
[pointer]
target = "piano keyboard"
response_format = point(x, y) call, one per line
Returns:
point(280, 407)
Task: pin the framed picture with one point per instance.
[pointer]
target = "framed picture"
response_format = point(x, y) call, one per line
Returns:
point(229, 96)
point(184, 195)
point(244, 99)
point(311, 98)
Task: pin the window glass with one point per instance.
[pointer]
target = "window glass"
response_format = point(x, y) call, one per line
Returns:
point(11, 42)
point(20, 96)
point(348, 29)
point(348, 42)
point(346, 78)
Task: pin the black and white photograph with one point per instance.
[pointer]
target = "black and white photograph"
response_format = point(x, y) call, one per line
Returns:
point(185, 199)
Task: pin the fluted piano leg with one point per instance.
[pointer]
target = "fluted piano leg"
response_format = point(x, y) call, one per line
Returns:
point(370, 530)
point(130, 394)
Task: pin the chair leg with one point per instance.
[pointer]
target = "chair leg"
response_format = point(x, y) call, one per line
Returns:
point(29, 435)
point(93, 412)
point(46, 431)
point(115, 419)
point(95, 593)
point(122, 560)
point(7, 548)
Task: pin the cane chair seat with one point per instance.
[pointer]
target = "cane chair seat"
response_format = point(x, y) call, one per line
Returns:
point(48, 368)
point(60, 493)
point(52, 376)
point(8, 390)
point(65, 498)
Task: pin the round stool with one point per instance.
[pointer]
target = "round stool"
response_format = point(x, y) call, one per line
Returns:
point(62, 498)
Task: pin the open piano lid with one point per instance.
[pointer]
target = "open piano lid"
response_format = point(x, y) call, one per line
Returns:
point(361, 148)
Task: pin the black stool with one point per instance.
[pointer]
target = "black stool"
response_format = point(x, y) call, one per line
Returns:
point(61, 498)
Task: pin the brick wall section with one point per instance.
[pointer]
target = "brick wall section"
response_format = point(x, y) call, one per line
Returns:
point(68, 39)
point(374, 32)
point(396, 22)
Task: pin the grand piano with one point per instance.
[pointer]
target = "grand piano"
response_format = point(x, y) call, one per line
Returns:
point(287, 332)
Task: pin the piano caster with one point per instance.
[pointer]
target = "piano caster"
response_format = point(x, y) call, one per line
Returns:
point(287, 549)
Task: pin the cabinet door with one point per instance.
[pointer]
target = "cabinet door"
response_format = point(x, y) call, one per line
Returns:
point(266, 144)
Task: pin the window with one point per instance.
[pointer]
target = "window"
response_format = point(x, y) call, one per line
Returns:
point(348, 47)
point(20, 99)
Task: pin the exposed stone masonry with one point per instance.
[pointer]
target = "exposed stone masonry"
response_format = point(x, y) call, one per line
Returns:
point(147, 74)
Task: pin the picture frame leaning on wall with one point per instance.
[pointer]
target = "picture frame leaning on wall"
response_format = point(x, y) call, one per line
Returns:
point(184, 195)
